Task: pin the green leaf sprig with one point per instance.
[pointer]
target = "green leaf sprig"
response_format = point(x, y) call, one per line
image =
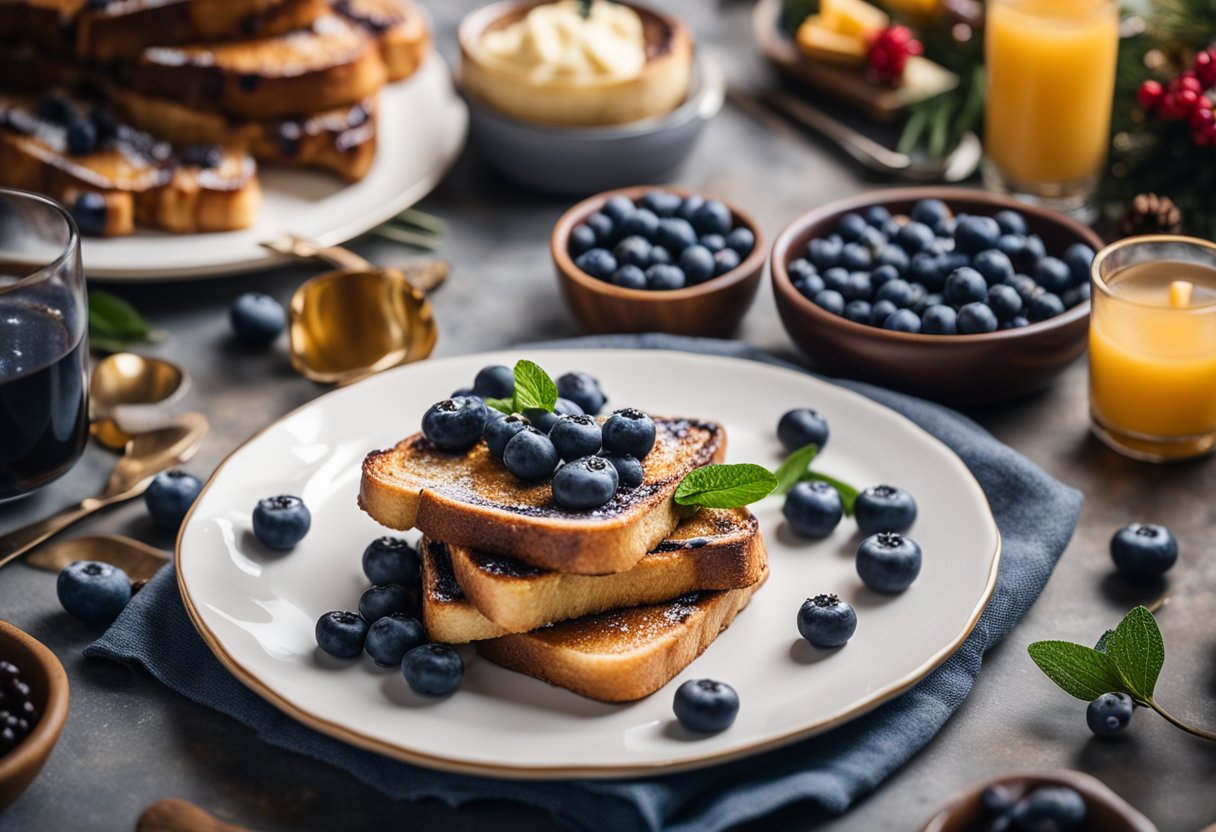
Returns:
point(115, 325)
point(1127, 659)
point(735, 486)
point(534, 390)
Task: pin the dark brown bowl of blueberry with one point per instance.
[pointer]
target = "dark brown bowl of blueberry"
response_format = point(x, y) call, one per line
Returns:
point(33, 709)
point(960, 296)
point(658, 259)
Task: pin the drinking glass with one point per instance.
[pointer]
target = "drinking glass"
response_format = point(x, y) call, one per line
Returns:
point(43, 350)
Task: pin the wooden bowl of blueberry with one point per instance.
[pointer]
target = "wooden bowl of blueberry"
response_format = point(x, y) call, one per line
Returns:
point(959, 296)
point(648, 259)
point(33, 709)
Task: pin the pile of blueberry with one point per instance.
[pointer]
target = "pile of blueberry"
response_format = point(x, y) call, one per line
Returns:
point(18, 714)
point(387, 625)
point(587, 460)
point(662, 242)
point(1045, 809)
point(939, 273)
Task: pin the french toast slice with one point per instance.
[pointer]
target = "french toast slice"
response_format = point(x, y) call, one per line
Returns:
point(626, 654)
point(470, 499)
point(340, 59)
point(139, 180)
point(712, 550)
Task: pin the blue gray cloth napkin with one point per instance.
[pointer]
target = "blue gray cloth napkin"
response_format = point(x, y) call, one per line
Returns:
point(1036, 516)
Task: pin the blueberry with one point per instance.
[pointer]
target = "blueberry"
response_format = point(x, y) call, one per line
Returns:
point(713, 217)
point(575, 436)
point(1078, 258)
point(390, 637)
point(976, 318)
point(433, 669)
point(706, 706)
point(281, 522)
point(617, 208)
point(813, 509)
point(676, 234)
point(836, 279)
point(598, 262)
point(810, 286)
point(465, 392)
point(661, 203)
point(926, 269)
point(665, 278)
point(56, 108)
point(629, 431)
point(1011, 222)
point(1043, 306)
point(974, 234)
point(82, 137)
point(391, 560)
point(1012, 246)
point(90, 210)
point(1053, 275)
point(585, 483)
point(884, 508)
point(1109, 714)
point(257, 318)
point(926, 301)
point(642, 223)
point(630, 277)
point(876, 242)
point(858, 311)
point(1075, 296)
point(455, 424)
point(898, 291)
point(604, 229)
point(856, 257)
point(802, 426)
point(877, 216)
point(893, 257)
point(92, 591)
point(1049, 809)
point(826, 621)
point(929, 212)
point(688, 207)
point(880, 311)
point(1016, 323)
point(850, 227)
point(498, 433)
point(1004, 301)
point(582, 239)
point(825, 252)
point(340, 633)
point(903, 320)
point(530, 455)
point(629, 470)
point(890, 228)
point(888, 562)
point(914, 237)
point(632, 251)
point(951, 261)
point(713, 242)
point(998, 799)
point(994, 265)
point(882, 276)
point(965, 286)
point(1144, 550)
point(385, 599)
point(170, 496)
point(544, 420)
point(1025, 286)
point(726, 260)
point(494, 382)
point(697, 263)
point(858, 287)
point(939, 320)
point(582, 389)
point(1035, 248)
point(660, 256)
point(830, 300)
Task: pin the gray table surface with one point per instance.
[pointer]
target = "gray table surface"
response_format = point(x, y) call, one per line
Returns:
point(130, 742)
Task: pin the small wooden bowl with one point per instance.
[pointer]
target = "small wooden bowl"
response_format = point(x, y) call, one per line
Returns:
point(1107, 811)
point(49, 686)
point(956, 369)
point(713, 308)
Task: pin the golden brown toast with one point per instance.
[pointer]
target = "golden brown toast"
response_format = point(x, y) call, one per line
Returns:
point(494, 595)
point(340, 59)
point(626, 654)
point(470, 499)
point(141, 180)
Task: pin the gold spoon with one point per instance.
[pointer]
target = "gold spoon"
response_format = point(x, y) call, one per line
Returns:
point(139, 560)
point(145, 456)
point(130, 394)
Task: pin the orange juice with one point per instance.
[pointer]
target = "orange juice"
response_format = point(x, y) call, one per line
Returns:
point(1152, 357)
point(1051, 78)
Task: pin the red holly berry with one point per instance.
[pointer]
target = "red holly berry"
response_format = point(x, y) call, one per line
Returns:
point(1189, 81)
point(889, 52)
point(1149, 95)
point(1201, 115)
point(1205, 67)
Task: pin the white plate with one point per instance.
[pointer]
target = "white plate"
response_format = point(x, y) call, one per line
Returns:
point(421, 129)
point(257, 610)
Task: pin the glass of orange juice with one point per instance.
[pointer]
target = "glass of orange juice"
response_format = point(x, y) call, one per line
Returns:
point(1051, 81)
point(1152, 347)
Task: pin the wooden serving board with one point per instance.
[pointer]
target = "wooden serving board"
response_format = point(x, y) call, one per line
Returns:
point(922, 79)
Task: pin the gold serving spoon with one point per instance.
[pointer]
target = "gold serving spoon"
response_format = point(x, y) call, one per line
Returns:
point(131, 394)
point(145, 456)
point(359, 319)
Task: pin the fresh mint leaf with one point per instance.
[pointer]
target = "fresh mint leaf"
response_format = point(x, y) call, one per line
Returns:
point(1080, 671)
point(534, 390)
point(114, 324)
point(794, 467)
point(506, 406)
point(725, 486)
point(1138, 652)
point(848, 494)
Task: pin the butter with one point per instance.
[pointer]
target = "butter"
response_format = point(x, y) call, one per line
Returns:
point(554, 40)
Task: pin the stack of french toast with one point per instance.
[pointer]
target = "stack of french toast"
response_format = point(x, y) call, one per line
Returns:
point(156, 113)
point(611, 602)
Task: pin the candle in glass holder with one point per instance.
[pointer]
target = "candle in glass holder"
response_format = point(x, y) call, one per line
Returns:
point(1152, 347)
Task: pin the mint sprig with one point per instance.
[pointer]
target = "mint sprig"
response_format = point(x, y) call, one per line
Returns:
point(1127, 659)
point(725, 486)
point(534, 390)
point(115, 325)
point(795, 467)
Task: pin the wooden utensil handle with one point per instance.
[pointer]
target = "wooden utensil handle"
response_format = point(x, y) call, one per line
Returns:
point(177, 815)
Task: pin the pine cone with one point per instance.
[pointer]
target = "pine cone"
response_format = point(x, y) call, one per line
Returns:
point(1151, 214)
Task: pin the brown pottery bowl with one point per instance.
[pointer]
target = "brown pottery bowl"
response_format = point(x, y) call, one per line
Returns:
point(49, 688)
point(713, 308)
point(955, 369)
